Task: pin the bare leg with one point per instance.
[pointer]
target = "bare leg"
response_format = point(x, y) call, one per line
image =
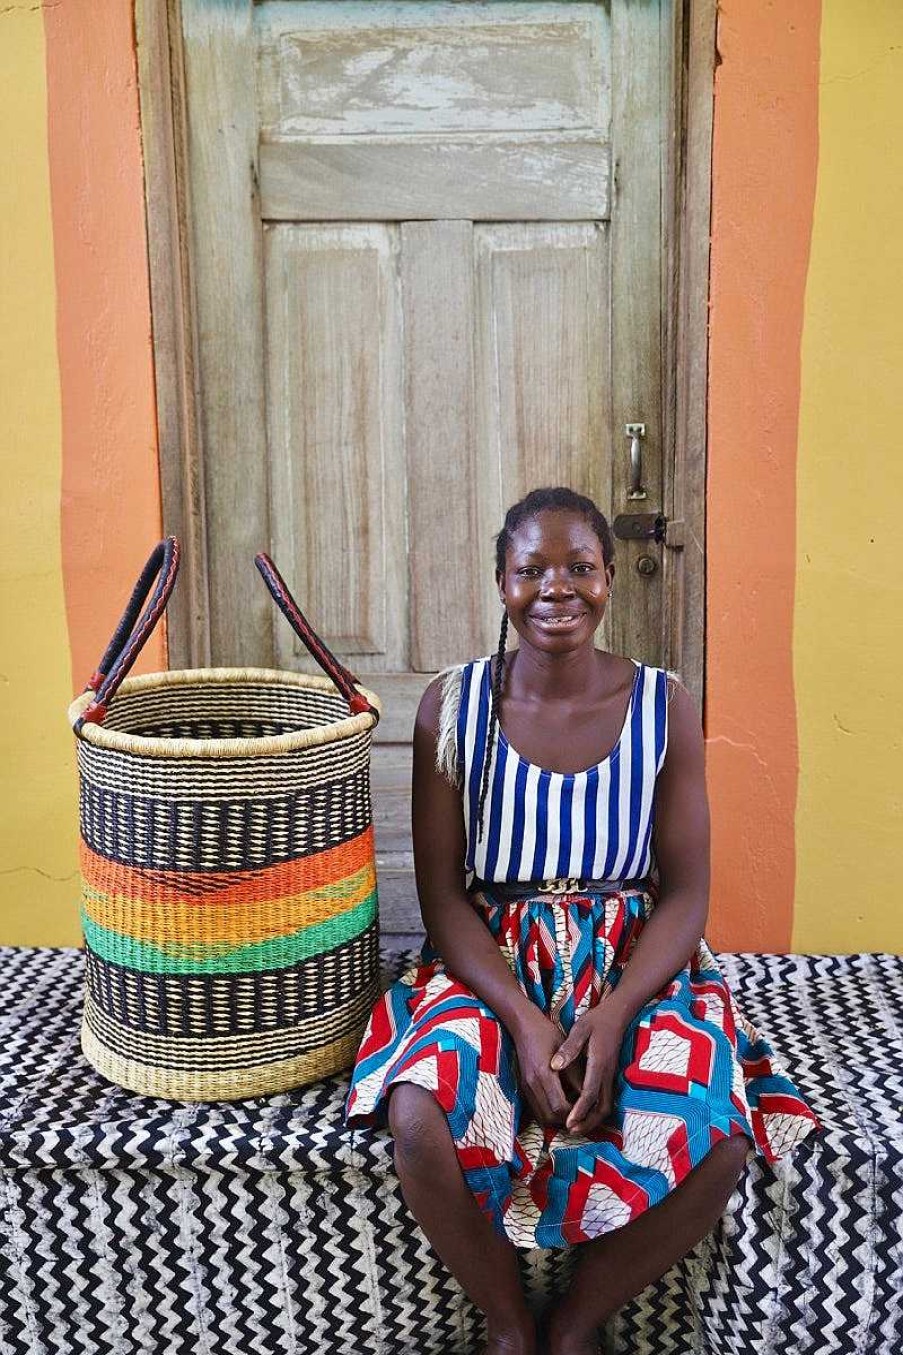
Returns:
point(484, 1264)
point(615, 1267)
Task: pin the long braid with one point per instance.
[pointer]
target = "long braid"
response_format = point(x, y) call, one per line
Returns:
point(496, 692)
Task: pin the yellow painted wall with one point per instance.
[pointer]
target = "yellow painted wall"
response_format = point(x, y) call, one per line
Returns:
point(38, 821)
point(848, 626)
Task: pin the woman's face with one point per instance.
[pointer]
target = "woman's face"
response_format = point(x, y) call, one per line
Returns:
point(556, 583)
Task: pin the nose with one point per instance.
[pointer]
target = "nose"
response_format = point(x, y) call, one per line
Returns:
point(557, 583)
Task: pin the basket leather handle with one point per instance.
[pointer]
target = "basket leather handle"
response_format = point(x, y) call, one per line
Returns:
point(157, 580)
point(343, 677)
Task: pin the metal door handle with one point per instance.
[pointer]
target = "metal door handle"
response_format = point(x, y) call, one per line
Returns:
point(635, 488)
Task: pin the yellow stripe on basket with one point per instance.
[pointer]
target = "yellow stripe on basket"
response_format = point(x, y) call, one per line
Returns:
point(195, 955)
point(238, 922)
point(203, 889)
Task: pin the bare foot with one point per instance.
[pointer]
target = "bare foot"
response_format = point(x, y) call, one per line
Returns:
point(575, 1345)
point(588, 1347)
point(562, 1338)
point(515, 1340)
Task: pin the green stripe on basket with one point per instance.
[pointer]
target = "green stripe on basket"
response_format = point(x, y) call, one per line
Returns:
point(201, 958)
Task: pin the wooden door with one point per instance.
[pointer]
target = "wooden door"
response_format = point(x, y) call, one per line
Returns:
point(427, 255)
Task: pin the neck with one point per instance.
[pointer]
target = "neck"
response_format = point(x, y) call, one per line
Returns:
point(534, 674)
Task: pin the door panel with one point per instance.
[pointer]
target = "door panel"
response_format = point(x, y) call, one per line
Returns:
point(544, 378)
point(327, 69)
point(335, 435)
point(480, 177)
point(446, 476)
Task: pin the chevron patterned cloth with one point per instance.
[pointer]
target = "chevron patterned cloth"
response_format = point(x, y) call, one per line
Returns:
point(132, 1224)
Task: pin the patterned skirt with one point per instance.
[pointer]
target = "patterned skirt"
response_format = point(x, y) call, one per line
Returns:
point(692, 1069)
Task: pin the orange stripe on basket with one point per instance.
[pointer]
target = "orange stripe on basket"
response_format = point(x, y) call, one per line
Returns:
point(225, 887)
point(238, 923)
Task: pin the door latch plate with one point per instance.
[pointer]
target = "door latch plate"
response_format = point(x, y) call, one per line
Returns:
point(648, 527)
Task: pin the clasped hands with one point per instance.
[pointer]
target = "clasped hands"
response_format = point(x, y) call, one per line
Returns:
point(569, 1080)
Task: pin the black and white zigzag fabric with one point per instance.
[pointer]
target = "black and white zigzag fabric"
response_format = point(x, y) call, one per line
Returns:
point(264, 1227)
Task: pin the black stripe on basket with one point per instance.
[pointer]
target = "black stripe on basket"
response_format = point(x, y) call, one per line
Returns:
point(211, 1006)
point(207, 778)
point(235, 1052)
point(223, 835)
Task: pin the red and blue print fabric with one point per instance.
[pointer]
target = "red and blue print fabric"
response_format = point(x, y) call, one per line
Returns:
point(692, 1068)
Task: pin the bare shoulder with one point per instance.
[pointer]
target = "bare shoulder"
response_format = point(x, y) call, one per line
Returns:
point(429, 709)
point(435, 726)
point(440, 699)
point(685, 736)
point(680, 696)
point(681, 824)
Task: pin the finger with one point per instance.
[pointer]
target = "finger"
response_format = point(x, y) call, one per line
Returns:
point(597, 1114)
point(589, 1096)
point(538, 1106)
point(572, 1080)
point(539, 1103)
point(558, 1101)
point(569, 1048)
point(582, 1107)
point(589, 1128)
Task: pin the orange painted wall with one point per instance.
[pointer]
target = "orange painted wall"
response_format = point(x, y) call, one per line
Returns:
point(110, 509)
point(765, 157)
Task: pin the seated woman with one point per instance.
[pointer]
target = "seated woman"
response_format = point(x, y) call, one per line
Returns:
point(565, 1063)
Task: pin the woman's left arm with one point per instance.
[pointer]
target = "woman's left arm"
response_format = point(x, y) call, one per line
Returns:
point(673, 929)
point(680, 836)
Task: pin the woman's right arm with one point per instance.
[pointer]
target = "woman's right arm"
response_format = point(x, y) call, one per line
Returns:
point(456, 929)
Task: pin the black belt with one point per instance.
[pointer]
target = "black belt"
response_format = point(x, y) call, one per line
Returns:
point(520, 889)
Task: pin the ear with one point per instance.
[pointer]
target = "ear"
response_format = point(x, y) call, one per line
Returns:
point(500, 584)
point(610, 573)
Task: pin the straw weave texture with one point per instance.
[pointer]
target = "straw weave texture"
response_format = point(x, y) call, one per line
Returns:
point(229, 901)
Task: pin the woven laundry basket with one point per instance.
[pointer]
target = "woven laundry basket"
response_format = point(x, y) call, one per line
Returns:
point(229, 909)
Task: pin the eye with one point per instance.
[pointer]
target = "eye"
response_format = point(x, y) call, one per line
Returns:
point(528, 571)
point(584, 567)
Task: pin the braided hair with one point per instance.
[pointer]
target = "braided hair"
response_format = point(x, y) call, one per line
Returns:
point(537, 501)
point(496, 690)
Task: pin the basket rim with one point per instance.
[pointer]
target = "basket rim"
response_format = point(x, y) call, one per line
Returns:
point(116, 740)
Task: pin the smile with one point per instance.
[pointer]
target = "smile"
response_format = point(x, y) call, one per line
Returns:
point(560, 621)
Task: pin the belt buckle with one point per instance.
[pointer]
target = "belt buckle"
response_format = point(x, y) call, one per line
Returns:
point(562, 885)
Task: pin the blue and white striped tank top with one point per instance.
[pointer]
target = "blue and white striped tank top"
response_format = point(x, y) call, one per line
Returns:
point(539, 825)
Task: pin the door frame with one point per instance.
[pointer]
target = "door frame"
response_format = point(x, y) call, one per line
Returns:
point(686, 205)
